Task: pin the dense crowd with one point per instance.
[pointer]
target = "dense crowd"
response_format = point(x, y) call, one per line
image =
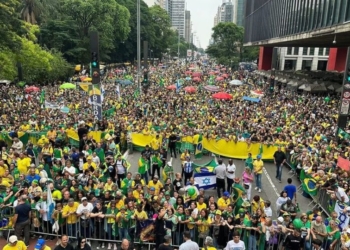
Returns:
point(96, 197)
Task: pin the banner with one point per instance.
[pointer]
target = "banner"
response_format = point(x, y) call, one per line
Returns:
point(189, 53)
point(342, 217)
point(95, 99)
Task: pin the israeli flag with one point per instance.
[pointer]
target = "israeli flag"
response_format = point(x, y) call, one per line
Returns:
point(50, 204)
point(117, 90)
point(342, 217)
point(205, 180)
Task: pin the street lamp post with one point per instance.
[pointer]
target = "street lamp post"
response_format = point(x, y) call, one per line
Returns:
point(178, 45)
point(138, 44)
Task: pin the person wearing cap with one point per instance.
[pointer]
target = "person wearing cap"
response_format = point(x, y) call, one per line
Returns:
point(187, 167)
point(224, 201)
point(41, 245)
point(230, 174)
point(290, 208)
point(83, 212)
point(258, 166)
point(89, 164)
point(14, 244)
point(156, 184)
point(35, 188)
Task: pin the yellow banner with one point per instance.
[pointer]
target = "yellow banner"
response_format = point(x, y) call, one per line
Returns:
point(229, 149)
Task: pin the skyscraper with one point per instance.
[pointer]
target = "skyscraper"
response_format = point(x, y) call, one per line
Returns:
point(188, 26)
point(239, 12)
point(176, 10)
point(225, 13)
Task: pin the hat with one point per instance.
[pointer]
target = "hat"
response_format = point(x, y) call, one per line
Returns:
point(32, 165)
point(83, 199)
point(237, 179)
point(218, 212)
point(13, 239)
point(89, 157)
point(39, 244)
point(35, 182)
point(227, 194)
point(167, 193)
point(258, 156)
point(286, 214)
point(156, 176)
point(152, 189)
point(280, 219)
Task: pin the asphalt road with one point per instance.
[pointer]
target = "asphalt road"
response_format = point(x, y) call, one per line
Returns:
point(271, 187)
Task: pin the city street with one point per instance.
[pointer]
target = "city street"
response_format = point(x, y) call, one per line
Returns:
point(271, 188)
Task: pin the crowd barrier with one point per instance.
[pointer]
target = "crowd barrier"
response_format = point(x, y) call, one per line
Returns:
point(142, 233)
point(222, 147)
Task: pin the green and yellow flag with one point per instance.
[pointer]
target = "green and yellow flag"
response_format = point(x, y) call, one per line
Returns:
point(199, 148)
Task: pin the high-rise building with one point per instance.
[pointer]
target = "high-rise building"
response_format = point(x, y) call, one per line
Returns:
point(188, 27)
point(150, 3)
point(176, 10)
point(239, 11)
point(225, 13)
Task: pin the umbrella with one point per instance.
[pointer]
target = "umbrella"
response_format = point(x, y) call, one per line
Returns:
point(196, 79)
point(211, 73)
point(196, 74)
point(188, 78)
point(225, 75)
point(32, 89)
point(212, 88)
point(68, 85)
point(188, 72)
point(257, 93)
point(219, 78)
point(236, 82)
point(222, 96)
point(190, 89)
point(88, 79)
point(126, 82)
point(172, 87)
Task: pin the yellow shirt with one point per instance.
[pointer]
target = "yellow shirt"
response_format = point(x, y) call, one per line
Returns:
point(120, 204)
point(158, 186)
point(108, 187)
point(258, 166)
point(23, 165)
point(142, 215)
point(51, 135)
point(222, 203)
point(2, 170)
point(200, 207)
point(19, 246)
point(87, 165)
point(155, 144)
point(71, 219)
point(136, 194)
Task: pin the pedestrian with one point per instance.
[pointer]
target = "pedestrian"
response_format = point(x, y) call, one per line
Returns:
point(172, 145)
point(291, 190)
point(167, 243)
point(187, 169)
point(230, 174)
point(236, 243)
point(83, 244)
point(209, 244)
point(159, 227)
point(188, 244)
point(279, 158)
point(220, 172)
point(126, 245)
point(64, 245)
point(21, 219)
point(258, 165)
point(15, 244)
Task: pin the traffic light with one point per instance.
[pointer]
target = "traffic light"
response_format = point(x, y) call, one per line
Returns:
point(94, 60)
point(145, 77)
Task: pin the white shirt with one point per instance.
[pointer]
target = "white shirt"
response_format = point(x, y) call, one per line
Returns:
point(341, 193)
point(96, 160)
point(220, 171)
point(189, 245)
point(42, 205)
point(268, 211)
point(83, 209)
point(120, 168)
point(231, 168)
point(231, 245)
point(70, 170)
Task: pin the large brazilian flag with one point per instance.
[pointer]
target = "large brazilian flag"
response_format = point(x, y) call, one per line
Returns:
point(309, 186)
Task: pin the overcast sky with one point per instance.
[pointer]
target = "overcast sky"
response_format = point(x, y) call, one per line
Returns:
point(202, 17)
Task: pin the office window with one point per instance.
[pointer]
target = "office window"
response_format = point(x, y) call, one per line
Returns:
point(320, 51)
point(289, 50)
point(296, 51)
point(305, 51)
point(312, 51)
point(327, 52)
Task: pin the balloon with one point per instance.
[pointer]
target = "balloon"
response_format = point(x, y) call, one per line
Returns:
point(298, 224)
point(327, 99)
point(191, 191)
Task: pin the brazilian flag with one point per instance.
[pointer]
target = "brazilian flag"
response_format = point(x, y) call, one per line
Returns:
point(205, 168)
point(309, 186)
point(199, 149)
point(342, 134)
point(237, 192)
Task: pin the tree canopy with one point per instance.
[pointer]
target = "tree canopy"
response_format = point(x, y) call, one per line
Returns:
point(227, 47)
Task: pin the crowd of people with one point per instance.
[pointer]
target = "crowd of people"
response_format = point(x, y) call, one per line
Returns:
point(97, 198)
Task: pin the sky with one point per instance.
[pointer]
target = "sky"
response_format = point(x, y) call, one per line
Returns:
point(202, 17)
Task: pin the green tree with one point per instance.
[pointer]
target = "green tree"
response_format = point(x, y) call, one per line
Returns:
point(228, 45)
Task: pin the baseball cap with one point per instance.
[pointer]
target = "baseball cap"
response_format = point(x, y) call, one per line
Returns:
point(258, 156)
point(152, 189)
point(13, 239)
point(218, 212)
point(39, 244)
point(227, 194)
point(156, 176)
